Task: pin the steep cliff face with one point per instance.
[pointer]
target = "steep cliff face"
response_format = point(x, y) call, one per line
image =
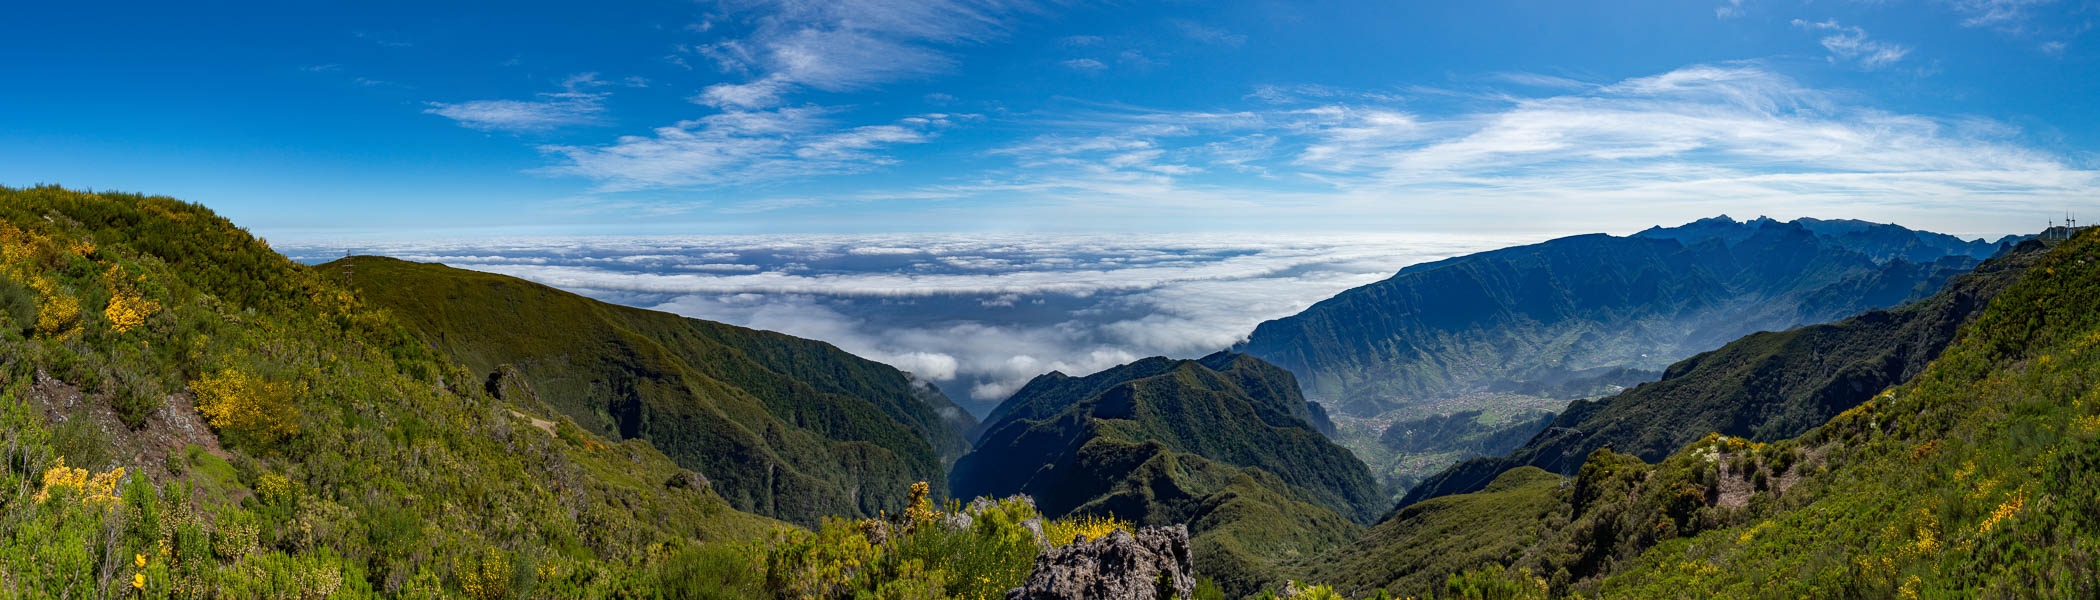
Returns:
point(1559, 310)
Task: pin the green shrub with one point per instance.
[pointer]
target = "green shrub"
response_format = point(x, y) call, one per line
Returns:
point(1207, 589)
point(81, 443)
point(711, 572)
point(17, 307)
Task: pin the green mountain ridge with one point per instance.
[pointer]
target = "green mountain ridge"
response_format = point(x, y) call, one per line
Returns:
point(1555, 310)
point(1767, 386)
point(1223, 443)
point(186, 413)
point(1975, 478)
point(786, 427)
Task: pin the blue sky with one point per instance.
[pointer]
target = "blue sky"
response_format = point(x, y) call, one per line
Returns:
point(315, 119)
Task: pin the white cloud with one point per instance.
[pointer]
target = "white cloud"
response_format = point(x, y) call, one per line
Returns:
point(719, 267)
point(1696, 141)
point(1084, 64)
point(521, 115)
point(738, 147)
point(1209, 35)
point(1544, 81)
point(792, 45)
point(932, 366)
point(884, 251)
point(572, 106)
point(978, 314)
point(852, 145)
point(847, 45)
point(2008, 15)
point(757, 94)
point(1851, 43)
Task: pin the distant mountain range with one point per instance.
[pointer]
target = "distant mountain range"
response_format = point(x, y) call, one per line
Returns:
point(183, 409)
point(1959, 462)
point(1225, 443)
point(1881, 242)
point(785, 427)
point(1764, 387)
point(1542, 315)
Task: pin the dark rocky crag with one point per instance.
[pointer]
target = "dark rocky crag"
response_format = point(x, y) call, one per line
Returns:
point(1153, 564)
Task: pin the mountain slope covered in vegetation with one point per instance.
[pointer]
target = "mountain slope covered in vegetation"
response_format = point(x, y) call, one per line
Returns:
point(1580, 306)
point(186, 413)
point(1765, 387)
point(1976, 478)
point(1222, 443)
point(787, 427)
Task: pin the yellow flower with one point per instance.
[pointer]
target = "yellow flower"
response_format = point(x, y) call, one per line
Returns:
point(139, 559)
point(138, 580)
point(231, 399)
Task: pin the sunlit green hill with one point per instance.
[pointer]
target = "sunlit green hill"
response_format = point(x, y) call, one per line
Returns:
point(787, 427)
point(1976, 478)
point(186, 413)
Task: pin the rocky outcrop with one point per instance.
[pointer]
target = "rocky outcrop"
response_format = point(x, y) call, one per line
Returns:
point(688, 479)
point(1151, 565)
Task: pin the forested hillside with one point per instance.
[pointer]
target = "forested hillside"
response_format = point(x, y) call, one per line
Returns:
point(1976, 478)
point(1222, 443)
point(1765, 387)
point(185, 413)
point(786, 427)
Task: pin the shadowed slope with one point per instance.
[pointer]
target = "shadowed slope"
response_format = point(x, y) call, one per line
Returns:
point(1223, 443)
point(1558, 309)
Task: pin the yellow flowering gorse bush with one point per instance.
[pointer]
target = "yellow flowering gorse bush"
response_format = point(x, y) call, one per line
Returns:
point(99, 489)
point(233, 400)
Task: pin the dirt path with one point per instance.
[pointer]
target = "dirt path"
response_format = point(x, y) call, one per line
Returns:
point(543, 424)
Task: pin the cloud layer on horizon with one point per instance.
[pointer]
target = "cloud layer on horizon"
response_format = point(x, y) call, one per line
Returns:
point(979, 315)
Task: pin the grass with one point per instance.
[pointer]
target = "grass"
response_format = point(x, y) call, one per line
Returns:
point(787, 427)
point(1973, 479)
point(398, 465)
point(1765, 387)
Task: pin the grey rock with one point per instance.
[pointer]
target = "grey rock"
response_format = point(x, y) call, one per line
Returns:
point(687, 479)
point(1151, 565)
point(1034, 525)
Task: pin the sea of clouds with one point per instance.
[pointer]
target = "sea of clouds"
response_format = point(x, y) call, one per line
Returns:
point(978, 315)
